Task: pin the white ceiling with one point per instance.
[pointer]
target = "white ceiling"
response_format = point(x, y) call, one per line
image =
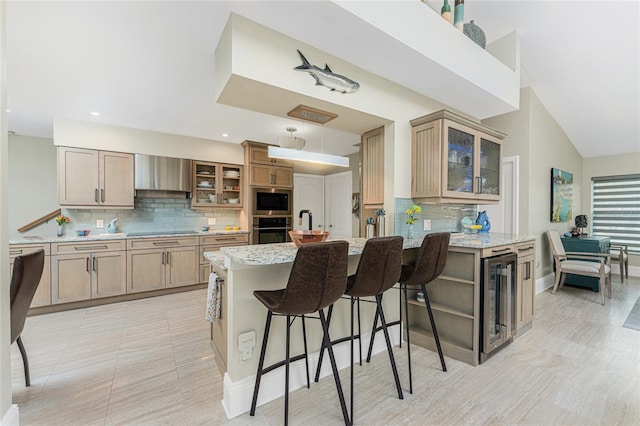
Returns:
point(150, 65)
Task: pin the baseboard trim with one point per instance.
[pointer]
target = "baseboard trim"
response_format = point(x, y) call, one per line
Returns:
point(237, 395)
point(11, 417)
point(545, 282)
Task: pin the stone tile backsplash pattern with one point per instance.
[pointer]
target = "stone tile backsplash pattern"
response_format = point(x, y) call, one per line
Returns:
point(151, 215)
point(444, 217)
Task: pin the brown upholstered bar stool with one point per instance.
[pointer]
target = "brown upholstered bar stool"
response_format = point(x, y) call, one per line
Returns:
point(318, 278)
point(378, 270)
point(27, 270)
point(430, 262)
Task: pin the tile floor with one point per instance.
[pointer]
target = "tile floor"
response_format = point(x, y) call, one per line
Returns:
point(149, 362)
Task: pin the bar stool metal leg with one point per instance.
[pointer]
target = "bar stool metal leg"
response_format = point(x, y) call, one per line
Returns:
point(336, 376)
point(433, 328)
point(306, 352)
point(256, 387)
point(406, 324)
point(323, 347)
point(389, 348)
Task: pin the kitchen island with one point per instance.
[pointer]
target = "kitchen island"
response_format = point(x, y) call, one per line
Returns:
point(455, 301)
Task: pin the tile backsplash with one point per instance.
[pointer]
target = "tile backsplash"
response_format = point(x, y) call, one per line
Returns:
point(444, 217)
point(151, 215)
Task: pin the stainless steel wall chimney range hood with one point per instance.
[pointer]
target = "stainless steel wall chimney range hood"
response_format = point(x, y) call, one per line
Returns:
point(153, 173)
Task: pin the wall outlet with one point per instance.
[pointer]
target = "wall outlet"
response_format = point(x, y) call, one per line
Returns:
point(211, 221)
point(427, 225)
point(246, 343)
point(99, 223)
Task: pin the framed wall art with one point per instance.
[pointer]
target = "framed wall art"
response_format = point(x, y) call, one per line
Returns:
point(561, 195)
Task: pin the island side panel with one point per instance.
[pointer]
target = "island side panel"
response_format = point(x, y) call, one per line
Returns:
point(247, 314)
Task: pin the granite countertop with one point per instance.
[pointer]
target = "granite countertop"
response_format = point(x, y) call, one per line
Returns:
point(216, 258)
point(270, 254)
point(116, 236)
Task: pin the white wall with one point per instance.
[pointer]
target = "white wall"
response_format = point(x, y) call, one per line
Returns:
point(608, 166)
point(32, 191)
point(5, 319)
point(541, 144)
point(260, 55)
point(82, 134)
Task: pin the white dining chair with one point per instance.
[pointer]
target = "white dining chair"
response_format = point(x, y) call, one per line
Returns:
point(620, 253)
point(596, 265)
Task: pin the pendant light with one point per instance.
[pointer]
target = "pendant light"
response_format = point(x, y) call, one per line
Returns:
point(306, 156)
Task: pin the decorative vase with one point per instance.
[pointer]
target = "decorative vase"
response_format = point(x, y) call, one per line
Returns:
point(59, 231)
point(445, 12)
point(410, 234)
point(380, 229)
point(476, 34)
point(458, 14)
point(370, 231)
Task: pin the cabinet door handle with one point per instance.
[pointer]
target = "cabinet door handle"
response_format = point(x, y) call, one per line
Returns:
point(165, 243)
point(87, 264)
point(95, 195)
point(168, 257)
point(93, 266)
point(15, 251)
point(525, 249)
point(501, 250)
point(162, 261)
point(91, 248)
point(102, 195)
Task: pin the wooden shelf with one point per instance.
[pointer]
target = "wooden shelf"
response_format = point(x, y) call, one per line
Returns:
point(441, 308)
point(424, 338)
point(457, 280)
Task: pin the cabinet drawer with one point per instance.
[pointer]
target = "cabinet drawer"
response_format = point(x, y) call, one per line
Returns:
point(86, 247)
point(224, 240)
point(204, 249)
point(498, 250)
point(20, 249)
point(525, 249)
point(150, 243)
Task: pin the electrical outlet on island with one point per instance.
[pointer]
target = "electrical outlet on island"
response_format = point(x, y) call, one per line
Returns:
point(99, 223)
point(427, 225)
point(211, 221)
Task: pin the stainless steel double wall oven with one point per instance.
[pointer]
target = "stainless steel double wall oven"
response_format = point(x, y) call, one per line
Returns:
point(272, 210)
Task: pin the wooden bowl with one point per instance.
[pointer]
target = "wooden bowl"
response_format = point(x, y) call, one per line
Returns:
point(303, 237)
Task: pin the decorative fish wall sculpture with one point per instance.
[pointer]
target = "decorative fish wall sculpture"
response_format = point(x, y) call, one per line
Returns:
point(327, 78)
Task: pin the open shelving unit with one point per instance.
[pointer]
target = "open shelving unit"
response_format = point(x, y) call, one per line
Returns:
point(455, 300)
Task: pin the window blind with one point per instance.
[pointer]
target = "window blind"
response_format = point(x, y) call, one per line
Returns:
point(616, 209)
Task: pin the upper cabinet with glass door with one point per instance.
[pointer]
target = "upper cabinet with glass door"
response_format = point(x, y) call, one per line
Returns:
point(454, 160)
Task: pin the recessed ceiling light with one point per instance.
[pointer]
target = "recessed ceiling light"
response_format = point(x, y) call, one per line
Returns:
point(8, 110)
point(225, 135)
point(95, 114)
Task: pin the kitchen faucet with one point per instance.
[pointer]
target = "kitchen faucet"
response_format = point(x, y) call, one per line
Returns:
point(300, 218)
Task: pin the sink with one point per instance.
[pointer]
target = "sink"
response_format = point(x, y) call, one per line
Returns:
point(303, 237)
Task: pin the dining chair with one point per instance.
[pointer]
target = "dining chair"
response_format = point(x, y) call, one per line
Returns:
point(596, 265)
point(620, 253)
point(27, 270)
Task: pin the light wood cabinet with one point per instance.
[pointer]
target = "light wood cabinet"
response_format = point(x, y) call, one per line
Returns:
point(525, 286)
point(87, 270)
point(157, 263)
point(372, 155)
point(214, 243)
point(42, 297)
point(455, 160)
point(455, 298)
point(265, 171)
point(89, 178)
point(216, 185)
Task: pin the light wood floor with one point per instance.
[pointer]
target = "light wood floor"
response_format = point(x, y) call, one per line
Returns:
point(149, 362)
